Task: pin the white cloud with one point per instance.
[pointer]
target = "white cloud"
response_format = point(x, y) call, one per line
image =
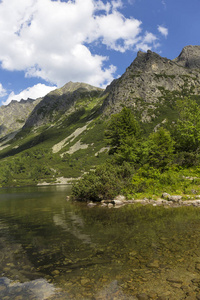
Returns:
point(49, 39)
point(147, 41)
point(163, 30)
point(3, 92)
point(119, 40)
point(34, 92)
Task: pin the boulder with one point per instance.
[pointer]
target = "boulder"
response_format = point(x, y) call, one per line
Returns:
point(120, 198)
point(175, 198)
point(118, 202)
point(166, 195)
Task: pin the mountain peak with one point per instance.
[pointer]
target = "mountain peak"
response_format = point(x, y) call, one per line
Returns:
point(153, 78)
point(71, 87)
point(148, 61)
point(189, 57)
point(60, 101)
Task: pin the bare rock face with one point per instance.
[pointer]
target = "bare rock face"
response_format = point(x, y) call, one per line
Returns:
point(14, 115)
point(189, 57)
point(152, 81)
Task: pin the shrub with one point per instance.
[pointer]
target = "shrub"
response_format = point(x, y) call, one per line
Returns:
point(105, 182)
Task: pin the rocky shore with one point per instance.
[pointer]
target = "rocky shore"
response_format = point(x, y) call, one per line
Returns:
point(166, 200)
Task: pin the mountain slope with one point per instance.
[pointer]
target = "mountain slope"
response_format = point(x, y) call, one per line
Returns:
point(189, 57)
point(64, 134)
point(60, 101)
point(14, 115)
point(152, 82)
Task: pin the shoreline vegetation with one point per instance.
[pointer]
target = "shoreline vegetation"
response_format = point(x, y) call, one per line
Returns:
point(166, 201)
point(139, 163)
point(142, 166)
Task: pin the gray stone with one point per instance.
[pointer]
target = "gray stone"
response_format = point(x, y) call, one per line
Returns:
point(130, 201)
point(120, 198)
point(166, 195)
point(175, 198)
point(118, 202)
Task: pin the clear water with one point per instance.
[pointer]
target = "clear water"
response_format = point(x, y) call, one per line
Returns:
point(54, 249)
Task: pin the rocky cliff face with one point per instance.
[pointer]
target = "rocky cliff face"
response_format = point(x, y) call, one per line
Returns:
point(151, 80)
point(14, 115)
point(189, 57)
point(61, 101)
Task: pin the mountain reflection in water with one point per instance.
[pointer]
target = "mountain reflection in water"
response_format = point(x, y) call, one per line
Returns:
point(54, 249)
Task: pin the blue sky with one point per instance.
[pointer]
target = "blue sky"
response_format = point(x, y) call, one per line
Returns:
point(44, 44)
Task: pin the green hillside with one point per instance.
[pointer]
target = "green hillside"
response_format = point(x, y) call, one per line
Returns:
point(65, 134)
point(67, 148)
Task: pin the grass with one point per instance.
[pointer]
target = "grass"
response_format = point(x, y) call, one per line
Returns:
point(22, 162)
point(29, 158)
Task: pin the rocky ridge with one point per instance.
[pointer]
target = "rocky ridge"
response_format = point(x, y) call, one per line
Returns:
point(14, 115)
point(151, 82)
point(150, 79)
point(61, 101)
point(189, 57)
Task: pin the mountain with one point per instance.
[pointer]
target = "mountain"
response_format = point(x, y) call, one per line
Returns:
point(14, 115)
point(153, 82)
point(189, 57)
point(60, 101)
point(62, 134)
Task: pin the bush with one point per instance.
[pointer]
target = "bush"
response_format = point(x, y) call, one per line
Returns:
point(187, 159)
point(152, 181)
point(105, 182)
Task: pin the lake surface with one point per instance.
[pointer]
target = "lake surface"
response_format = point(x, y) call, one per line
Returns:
point(54, 249)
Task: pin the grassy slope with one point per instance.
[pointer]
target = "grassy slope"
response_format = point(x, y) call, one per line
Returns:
point(28, 159)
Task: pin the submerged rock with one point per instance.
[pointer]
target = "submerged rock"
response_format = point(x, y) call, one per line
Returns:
point(175, 280)
point(142, 296)
point(154, 264)
point(91, 204)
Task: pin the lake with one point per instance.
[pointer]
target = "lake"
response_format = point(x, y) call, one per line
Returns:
point(51, 248)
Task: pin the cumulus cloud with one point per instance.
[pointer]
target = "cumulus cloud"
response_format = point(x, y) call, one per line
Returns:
point(51, 39)
point(34, 92)
point(163, 30)
point(3, 92)
point(147, 41)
